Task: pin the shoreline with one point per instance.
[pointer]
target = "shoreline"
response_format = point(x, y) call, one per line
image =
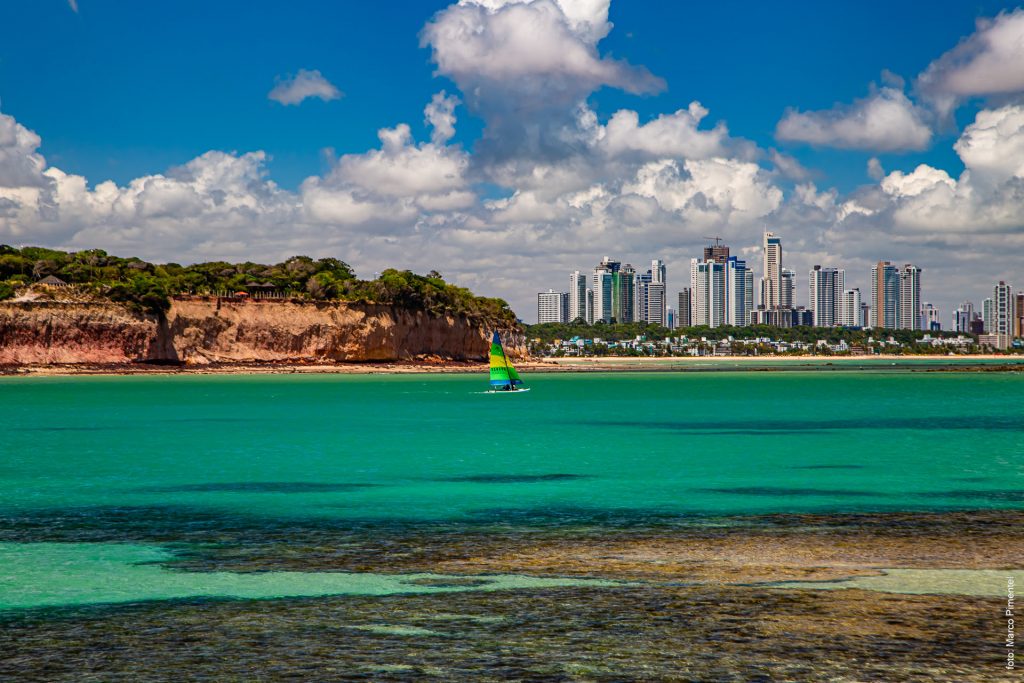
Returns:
point(971, 363)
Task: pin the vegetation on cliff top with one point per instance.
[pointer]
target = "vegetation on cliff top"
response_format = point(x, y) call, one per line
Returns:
point(148, 287)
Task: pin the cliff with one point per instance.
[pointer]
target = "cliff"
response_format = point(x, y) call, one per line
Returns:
point(207, 330)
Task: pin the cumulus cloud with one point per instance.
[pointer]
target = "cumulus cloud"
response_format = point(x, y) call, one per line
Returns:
point(885, 121)
point(440, 115)
point(988, 62)
point(989, 194)
point(525, 65)
point(292, 90)
point(875, 170)
point(669, 135)
point(551, 186)
point(20, 163)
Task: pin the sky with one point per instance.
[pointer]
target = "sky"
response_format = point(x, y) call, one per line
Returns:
point(505, 143)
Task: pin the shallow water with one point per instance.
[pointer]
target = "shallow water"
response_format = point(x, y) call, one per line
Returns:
point(154, 518)
point(976, 582)
point(432, 448)
point(67, 574)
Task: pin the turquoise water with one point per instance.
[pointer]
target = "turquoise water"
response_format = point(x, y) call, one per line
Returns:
point(435, 448)
point(106, 482)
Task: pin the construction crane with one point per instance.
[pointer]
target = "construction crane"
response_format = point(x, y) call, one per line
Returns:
point(717, 240)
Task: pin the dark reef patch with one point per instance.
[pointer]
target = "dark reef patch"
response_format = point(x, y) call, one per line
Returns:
point(1007, 423)
point(1004, 496)
point(256, 487)
point(827, 467)
point(512, 478)
point(785, 491)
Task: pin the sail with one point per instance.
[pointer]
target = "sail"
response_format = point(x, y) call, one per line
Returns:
point(503, 375)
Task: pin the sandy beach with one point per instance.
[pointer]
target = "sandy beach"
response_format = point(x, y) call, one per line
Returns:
point(972, 363)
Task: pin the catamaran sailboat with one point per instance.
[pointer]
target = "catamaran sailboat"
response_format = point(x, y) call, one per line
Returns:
point(504, 378)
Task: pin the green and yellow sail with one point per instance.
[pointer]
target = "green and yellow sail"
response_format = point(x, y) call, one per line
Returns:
point(503, 375)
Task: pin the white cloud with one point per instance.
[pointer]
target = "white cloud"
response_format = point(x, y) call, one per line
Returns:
point(669, 135)
point(885, 121)
point(988, 62)
point(20, 164)
point(440, 115)
point(526, 66)
point(572, 186)
point(875, 170)
point(303, 85)
point(987, 197)
point(73, 4)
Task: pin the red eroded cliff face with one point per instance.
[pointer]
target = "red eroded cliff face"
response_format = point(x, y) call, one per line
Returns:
point(200, 331)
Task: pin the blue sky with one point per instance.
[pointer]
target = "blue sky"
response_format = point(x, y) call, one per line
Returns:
point(119, 90)
point(126, 91)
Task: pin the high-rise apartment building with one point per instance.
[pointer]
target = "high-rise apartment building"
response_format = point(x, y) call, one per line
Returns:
point(577, 296)
point(737, 311)
point(772, 271)
point(552, 307)
point(717, 251)
point(787, 288)
point(657, 304)
point(987, 315)
point(684, 315)
point(930, 317)
point(708, 278)
point(910, 298)
point(1018, 315)
point(885, 295)
point(590, 306)
point(623, 294)
point(825, 287)
point(963, 316)
point(641, 295)
point(1002, 310)
point(748, 304)
point(601, 284)
point(850, 309)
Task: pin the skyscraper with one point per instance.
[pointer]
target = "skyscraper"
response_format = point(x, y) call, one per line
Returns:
point(684, 317)
point(623, 294)
point(736, 311)
point(552, 306)
point(825, 287)
point(658, 272)
point(885, 295)
point(787, 288)
point(963, 316)
point(987, 315)
point(850, 307)
point(577, 296)
point(716, 251)
point(656, 304)
point(910, 298)
point(770, 282)
point(748, 305)
point(1002, 310)
point(602, 291)
point(1018, 315)
point(708, 294)
point(930, 317)
point(641, 282)
point(590, 306)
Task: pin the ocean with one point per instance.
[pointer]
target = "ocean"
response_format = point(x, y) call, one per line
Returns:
point(172, 494)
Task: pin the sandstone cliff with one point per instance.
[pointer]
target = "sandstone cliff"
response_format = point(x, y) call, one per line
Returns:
point(200, 331)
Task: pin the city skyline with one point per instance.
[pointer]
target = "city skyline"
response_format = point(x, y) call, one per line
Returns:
point(720, 291)
point(446, 137)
